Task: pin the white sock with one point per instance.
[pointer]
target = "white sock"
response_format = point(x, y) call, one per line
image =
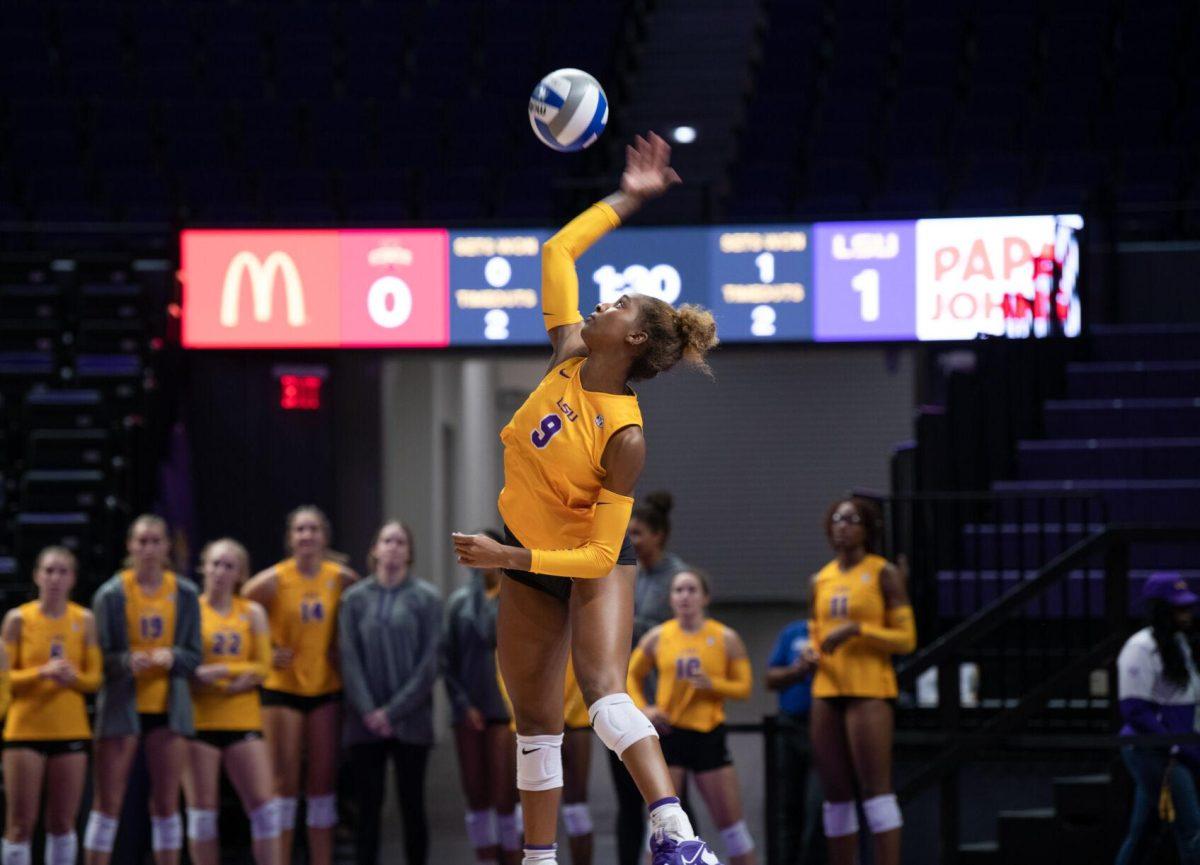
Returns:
point(541, 855)
point(15, 854)
point(667, 816)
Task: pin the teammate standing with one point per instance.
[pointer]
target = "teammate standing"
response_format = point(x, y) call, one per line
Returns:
point(237, 655)
point(302, 694)
point(148, 627)
point(54, 660)
point(861, 618)
point(573, 453)
point(700, 664)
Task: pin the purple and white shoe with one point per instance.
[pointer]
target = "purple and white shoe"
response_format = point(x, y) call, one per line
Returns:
point(670, 851)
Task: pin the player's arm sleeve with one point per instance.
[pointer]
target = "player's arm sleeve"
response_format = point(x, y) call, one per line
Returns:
point(6, 692)
point(737, 684)
point(560, 282)
point(595, 558)
point(450, 663)
point(188, 648)
point(635, 679)
point(91, 676)
point(354, 678)
point(898, 634)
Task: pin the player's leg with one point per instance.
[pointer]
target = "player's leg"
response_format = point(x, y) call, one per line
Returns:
point(533, 634)
point(577, 763)
point(831, 753)
point(502, 773)
point(66, 775)
point(322, 729)
point(165, 755)
point(411, 762)
point(110, 774)
point(201, 792)
point(248, 765)
point(474, 773)
point(719, 789)
point(24, 772)
point(283, 730)
point(869, 727)
point(368, 767)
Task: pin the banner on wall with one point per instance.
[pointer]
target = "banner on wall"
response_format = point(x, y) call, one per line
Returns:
point(893, 281)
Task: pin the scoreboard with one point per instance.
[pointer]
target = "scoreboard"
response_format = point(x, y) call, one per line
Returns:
point(893, 281)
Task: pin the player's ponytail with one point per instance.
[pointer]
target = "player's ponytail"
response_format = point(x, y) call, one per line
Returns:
point(673, 335)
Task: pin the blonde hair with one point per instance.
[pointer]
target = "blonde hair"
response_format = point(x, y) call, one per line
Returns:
point(672, 335)
point(56, 550)
point(238, 550)
point(326, 527)
point(148, 520)
point(372, 560)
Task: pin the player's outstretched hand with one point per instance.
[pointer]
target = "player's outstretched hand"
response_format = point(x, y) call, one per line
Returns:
point(648, 172)
point(478, 551)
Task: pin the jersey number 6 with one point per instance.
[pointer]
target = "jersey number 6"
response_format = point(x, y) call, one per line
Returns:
point(546, 430)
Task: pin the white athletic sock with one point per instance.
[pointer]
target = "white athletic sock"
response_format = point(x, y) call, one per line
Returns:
point(541, 855)
point(12, 853)
point(667, 816)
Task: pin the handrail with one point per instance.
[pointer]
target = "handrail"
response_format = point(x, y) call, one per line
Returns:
point(977, 626)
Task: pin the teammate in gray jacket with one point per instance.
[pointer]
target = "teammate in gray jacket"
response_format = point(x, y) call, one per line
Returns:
point(486, 747)
point(389, 632)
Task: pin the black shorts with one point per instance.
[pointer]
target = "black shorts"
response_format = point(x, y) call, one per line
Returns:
point(559, 587)
point(222, 739)
point(299, 702)
point(695, 751)
point(151, 721)
point(50, 747)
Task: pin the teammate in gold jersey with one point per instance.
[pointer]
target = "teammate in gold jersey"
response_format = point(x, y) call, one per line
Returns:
point(51, 648)
point(148, 627)
point(237, 653)
point(302, 694)
point(700, 664)
point(861, 618)
point(572, 455)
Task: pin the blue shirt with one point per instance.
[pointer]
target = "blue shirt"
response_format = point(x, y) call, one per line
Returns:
point(796, 699)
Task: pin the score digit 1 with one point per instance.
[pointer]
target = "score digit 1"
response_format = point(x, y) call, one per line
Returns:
point(866, 283)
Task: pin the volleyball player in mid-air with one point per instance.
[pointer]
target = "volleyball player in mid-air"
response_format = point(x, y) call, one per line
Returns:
point(573, 453)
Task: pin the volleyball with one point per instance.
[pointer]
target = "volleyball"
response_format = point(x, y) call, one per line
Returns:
point(568, 110)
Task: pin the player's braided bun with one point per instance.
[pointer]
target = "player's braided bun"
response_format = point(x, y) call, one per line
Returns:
point(686, 334)
point(660, 499)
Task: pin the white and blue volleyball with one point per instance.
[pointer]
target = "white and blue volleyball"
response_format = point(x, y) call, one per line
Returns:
point(568, 110)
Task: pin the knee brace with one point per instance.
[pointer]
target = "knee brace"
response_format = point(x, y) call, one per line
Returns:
point(322, 811)
point(285, 810)
point(481, 828)
point(509, 826)
point(883, 813)
point(15, 853)
point(578, 819)
point(264, 820)
point(619, 723)
point(539, 762)
point(840, 818)
point(201, 824)
point(737, 839)
point(100, 833)
point(166, 833)
point(61, 849)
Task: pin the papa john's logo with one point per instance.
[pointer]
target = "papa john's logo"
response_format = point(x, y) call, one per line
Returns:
point(262, 274)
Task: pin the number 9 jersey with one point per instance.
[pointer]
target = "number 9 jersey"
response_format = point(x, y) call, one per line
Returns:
point(552, 451)
point(303, 618)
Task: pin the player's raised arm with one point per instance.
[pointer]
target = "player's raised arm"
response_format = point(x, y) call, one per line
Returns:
point(647, 174)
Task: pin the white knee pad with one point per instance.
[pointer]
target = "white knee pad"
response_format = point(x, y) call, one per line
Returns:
point(509, 826)
point(101, 832)
point(840, 818)
point(15, 853)
point(166, 833)
point(619, 723)
point(539, 762)
point(322, 811)
point(883, 813)
point(285, 809)
point(578, 819)
point(737, 839)
point(61, 849)
point(264, 820)
point(201, 824)
point(481, 828)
